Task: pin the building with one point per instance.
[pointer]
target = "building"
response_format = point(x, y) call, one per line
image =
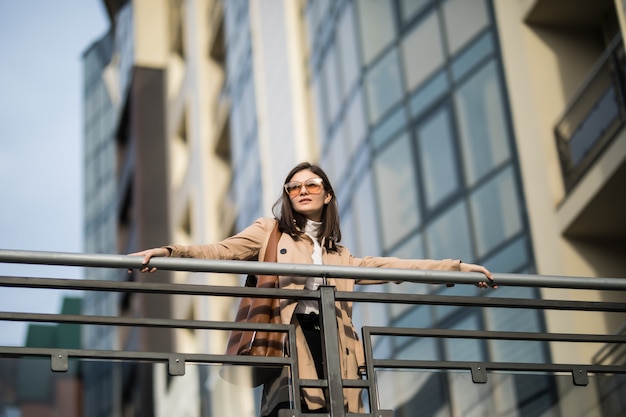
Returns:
point(40, 392)
point(485, 130)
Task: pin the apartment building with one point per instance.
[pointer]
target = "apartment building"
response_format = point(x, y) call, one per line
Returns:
point(485, 130)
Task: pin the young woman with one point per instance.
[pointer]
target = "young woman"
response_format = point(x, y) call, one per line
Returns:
point(308, 218)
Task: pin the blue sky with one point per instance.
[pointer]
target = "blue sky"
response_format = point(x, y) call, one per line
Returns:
point(41, 44)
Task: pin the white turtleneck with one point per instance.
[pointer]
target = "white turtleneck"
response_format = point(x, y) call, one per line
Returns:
point(312, 229)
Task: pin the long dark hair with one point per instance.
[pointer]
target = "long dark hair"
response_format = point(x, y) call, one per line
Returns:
point(292, 222)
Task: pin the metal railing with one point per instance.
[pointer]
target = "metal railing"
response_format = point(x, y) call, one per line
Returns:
point(594, 116)
point(333, 384)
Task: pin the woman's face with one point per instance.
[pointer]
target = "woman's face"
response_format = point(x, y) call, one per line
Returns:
point(310, 198)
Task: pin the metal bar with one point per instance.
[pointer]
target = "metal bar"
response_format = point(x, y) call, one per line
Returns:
point(152, 287)
point(330, 351)
point(495, 335)
point(466, 301)
point(11, 351)
point(373, 393)
point(497, 366)
point(141, 322)
point(328, 271)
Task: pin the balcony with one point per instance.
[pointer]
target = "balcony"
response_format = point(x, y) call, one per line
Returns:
point(595, 115)
point(479, 370)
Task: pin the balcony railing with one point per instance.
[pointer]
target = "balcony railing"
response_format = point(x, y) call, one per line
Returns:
point(481, 372)
point(594, 116)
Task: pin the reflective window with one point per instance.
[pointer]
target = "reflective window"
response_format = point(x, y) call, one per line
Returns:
point(384, 86)
point(377, 27)
point(397, 190)
point(449, 236)
point(481, 118)
point(422, 51)
point(463, 19)
point(438, 167)
point(348, 53)
point(459, 349)
point(364, 205)
point(408, 8)
point(496, 211)
point(389, 127)
point(332, 84)
point(320, 114)
point(428, 93)
point(357, 123)
point(510, 258)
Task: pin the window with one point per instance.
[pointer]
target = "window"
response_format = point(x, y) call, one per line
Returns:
point(496, 211)
point(422, 51)
point(464, 19)
point(377, 26)
point(397, 190)
point(448, 236)
point(481, 118)
point(409, 8)
point(437, 162)
point(348, 53)
point(384, 86)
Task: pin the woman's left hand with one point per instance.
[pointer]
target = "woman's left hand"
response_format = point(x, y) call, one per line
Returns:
point(479, 268)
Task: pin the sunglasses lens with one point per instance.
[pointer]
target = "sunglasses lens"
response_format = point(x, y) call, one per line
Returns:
point(293, 188)
point(313, 187)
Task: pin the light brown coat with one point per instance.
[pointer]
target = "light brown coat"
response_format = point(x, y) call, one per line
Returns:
point(250, 244)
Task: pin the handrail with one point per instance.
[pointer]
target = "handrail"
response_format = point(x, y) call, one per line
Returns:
point(328, 271)
point(328, 297)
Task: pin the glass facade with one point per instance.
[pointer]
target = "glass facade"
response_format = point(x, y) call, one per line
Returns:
point(239, 87)
point(100, 221)
point(415, 133)
point(104, 85)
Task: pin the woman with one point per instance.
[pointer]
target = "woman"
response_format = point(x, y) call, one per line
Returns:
point(308, 218)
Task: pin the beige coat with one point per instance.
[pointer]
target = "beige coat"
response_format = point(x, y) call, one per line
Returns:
point(251, 243)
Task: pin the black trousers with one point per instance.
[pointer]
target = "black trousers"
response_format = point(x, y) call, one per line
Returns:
point(310, 324)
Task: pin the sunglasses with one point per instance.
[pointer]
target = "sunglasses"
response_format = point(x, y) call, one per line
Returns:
point(312, 185)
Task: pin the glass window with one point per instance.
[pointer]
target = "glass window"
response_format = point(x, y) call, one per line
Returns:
point(339, 153)
point(459, 349)
point(422, 51)
point(430, 92)
point(436, 153)
point(320, 113)
point(348, 53)
point(481, 118)
point(449, 236)
point(496, 211)
point(397, 191)
point(357, 124)
point(510, 258)
point(332, 83)
point(408, 8)
point(389, 127)
point(365, 208)
point(384, 86)
point(463, 20)
point(473, 55)
point(376, 27)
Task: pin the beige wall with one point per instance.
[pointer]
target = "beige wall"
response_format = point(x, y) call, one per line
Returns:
point(543, 68)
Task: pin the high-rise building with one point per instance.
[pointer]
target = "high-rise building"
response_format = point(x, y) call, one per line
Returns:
point(486, 130)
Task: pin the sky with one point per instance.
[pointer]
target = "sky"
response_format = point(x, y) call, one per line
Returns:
point(41, 208)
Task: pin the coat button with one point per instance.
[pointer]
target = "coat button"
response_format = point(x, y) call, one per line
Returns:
point(283, 251)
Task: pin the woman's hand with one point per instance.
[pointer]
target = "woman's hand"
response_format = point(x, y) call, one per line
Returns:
point(479, 268)
point(147, 255)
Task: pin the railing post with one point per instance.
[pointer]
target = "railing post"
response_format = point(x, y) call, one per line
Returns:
point(330, 351)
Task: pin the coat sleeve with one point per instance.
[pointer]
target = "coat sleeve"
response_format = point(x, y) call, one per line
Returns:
point(243, 246)
point(392, 262)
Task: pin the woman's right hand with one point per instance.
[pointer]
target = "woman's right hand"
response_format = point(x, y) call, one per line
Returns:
point(147, 255)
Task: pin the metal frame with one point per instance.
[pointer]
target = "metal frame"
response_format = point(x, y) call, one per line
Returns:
point(333, 384)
